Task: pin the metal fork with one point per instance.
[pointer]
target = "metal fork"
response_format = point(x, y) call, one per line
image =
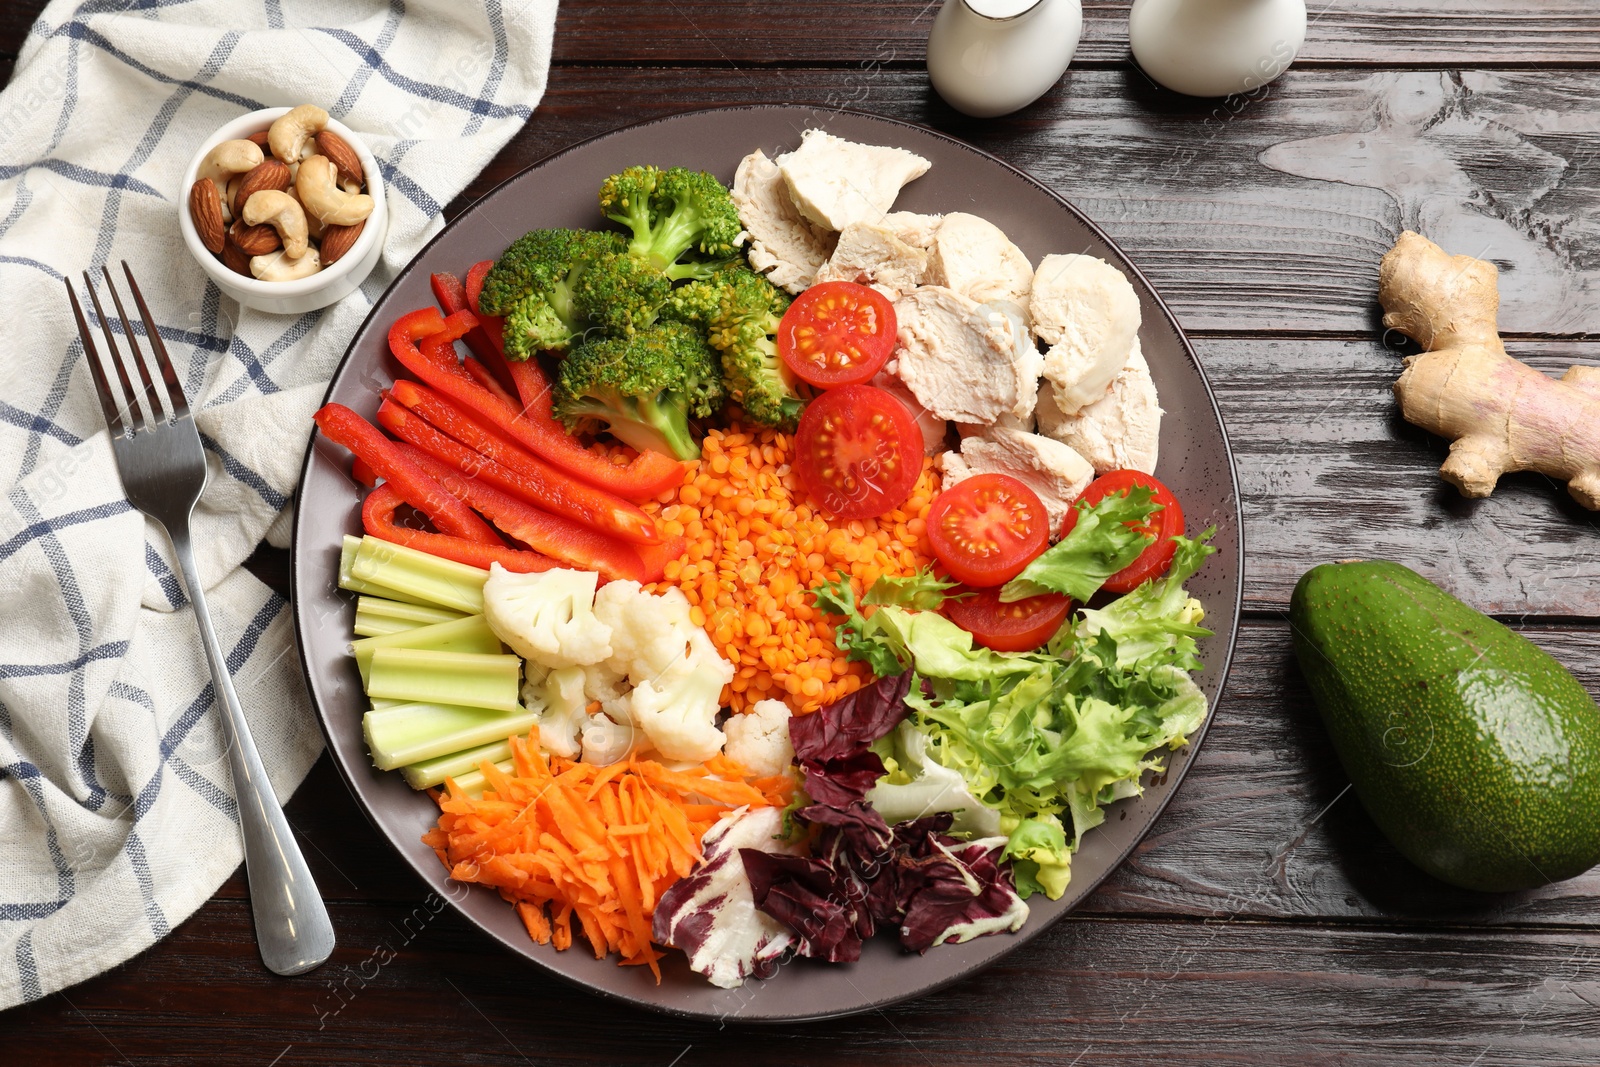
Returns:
point(163, 469)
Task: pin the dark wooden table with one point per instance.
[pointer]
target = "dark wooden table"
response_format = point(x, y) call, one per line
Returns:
point(1264, 921)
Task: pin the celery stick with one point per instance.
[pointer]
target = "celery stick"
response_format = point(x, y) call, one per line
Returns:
point(473, 783)
point(431, 772)
point(415, 732)
point(376, 616)
point(469, 634)
point(378, 703)
point(348, 580)
point(435, 581)
point(471, 679)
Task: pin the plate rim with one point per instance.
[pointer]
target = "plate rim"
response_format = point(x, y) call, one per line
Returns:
point(1021, 937)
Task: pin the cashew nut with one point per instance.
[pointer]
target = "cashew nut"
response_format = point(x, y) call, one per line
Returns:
point(320, 193)
point(292, 137)
point(282, 213)
point(226, 160)
point(279, 266)
point(313, 224)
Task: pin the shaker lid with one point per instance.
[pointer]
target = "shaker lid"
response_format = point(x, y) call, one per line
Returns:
point(1001, 9)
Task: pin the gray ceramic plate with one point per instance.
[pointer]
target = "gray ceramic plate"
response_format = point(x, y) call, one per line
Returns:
point(1195, 462)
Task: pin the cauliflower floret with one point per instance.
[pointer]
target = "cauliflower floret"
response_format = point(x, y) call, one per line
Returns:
point(677, 708)
point(547, 618)
point(648, 633)
point(562, 705)
point(758, 740)
point(606, 742)
point(611, 689)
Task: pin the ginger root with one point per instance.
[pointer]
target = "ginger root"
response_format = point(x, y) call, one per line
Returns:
point(1500, 414)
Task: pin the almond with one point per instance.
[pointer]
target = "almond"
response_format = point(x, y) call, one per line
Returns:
point(235, 260)
point(260, 138)
point(337, 240)
point(338, 150)
point(268, 174)
point(205, 206)
point(254, 240)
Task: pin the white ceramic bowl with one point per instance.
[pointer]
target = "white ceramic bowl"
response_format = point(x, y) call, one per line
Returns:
point(303, 294)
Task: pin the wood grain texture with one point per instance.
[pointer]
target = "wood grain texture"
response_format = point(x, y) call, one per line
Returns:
point(1329, 470)
point(816, 33)
point(408, 986)
point(1260, 216)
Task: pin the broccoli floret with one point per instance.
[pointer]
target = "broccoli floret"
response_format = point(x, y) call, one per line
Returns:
point(644, 387)
point(533, 283)
point(620, 293)
point(670, 212)
point(743, 330)
point(697, 302)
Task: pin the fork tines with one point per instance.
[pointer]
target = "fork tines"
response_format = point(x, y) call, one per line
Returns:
point(159, 406)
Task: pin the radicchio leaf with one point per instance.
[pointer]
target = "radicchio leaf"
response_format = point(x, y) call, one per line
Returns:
point(848, 725)
point(809, 897)
point(711, 914)
point(952, 890)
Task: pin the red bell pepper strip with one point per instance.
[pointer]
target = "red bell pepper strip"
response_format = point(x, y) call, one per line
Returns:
point(485, 377)
point(555, 536)
point(449, 292)
point(423, 419)
point(656, 557)
point(452, 297)
point(649, 474)
point(377, 518)
point(474, 287)
point(345, 427)
point(363, 473)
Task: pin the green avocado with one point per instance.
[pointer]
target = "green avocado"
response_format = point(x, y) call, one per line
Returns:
point(1475, 752)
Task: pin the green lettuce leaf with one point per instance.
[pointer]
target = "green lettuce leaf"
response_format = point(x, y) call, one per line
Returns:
point(1101, 544)
point(1041, 861)
point(1156, 623)
point(922, 591)
point(857, 636)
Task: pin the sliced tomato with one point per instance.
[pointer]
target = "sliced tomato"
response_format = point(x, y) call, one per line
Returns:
point(986, 529)
point(1164, 524)
point(837, 333)
point(1016, 627)
point(858, 451)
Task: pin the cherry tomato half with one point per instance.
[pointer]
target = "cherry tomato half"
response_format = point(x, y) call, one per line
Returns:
point(858, 451)
point(837, 333)
point(1165, 524)
point(1020, 626)
point(986, 529)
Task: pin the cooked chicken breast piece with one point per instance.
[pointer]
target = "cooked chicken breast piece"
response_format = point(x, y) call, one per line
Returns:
point(974, 257)
point(960, 359)
point(914, 229)
point(1048, 467)
point(835, 182)
point(874, 255)
point(783, 246)
point(934, 429)
point(1120, 431)
point(1007, 421)
point(1088, 313)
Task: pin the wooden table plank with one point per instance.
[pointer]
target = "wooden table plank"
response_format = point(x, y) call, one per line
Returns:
point(1347, 32)
point(407, 986)
point(1329, 470)
point(1270, 219)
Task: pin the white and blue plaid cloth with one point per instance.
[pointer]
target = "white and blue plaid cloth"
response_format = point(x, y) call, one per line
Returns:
point(116, 814)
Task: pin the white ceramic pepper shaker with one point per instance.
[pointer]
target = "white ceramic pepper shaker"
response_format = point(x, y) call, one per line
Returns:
point(1216, 47)
point(992, 57)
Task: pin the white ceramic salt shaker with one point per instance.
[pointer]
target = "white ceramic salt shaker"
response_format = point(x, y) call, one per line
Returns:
point(992, 57)
point(1216, 47)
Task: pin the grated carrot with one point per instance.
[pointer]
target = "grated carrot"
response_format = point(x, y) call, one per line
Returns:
point(561, 840)
point(758, 546)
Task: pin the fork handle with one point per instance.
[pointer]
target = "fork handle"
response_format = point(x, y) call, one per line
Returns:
point(293, 931)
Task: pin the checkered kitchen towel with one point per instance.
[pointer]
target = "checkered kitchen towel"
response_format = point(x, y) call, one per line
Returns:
point(116, 816)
